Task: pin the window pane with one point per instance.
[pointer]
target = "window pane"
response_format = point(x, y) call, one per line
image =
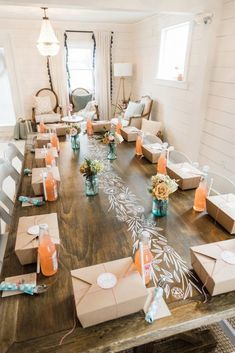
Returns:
point(80, 58)
point(82, 79)
point(174, 43)
point(7, 114)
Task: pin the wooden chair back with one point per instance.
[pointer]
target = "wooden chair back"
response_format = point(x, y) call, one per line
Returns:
point(148, 102)
point(53, 97)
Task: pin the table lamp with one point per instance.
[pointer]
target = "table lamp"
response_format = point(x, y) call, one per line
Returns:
point(122, 70)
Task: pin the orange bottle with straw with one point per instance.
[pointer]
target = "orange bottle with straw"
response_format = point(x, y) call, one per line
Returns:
point(138, 145)
point(49, 158)
point(161, 164)
point(55, 141)
point(42, 127)
point(51, 188)
point(201, 193)
point(47, 252)
point(144, 257)
point(89, 127)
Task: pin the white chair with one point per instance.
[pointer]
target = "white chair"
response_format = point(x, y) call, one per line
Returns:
point(6, 204)
point(135, 112)
point(177, 157)
point(7, 172)
point(83, 104)
point(13, 155)
point(46, 107)
point(219, 184)
point(3, 245)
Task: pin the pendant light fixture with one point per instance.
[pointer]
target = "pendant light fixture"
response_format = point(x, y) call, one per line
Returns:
point(47, 44)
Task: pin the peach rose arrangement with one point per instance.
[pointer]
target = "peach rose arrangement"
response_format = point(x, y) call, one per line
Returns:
point(162, 186)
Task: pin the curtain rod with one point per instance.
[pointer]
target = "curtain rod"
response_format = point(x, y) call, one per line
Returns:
point(71, 31)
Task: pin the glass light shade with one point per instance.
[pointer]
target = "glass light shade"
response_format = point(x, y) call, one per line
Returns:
point(47, 44)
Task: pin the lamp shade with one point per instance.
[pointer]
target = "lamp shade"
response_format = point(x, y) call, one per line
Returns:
point(47, 44)
point(122, 69)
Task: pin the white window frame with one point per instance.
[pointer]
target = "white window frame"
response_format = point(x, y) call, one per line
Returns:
point(175, 83)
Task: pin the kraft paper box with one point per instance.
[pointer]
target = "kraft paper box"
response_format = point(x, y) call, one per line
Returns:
point(95, 305)
point(101, 126)
point(40, 156)
point(222, 209)
point(26, 245)
point(42, 140)
point(37, 183)
point(152, 152)
point(186, 175)
point(214, 264)
point(129, 133)
point(59, 128)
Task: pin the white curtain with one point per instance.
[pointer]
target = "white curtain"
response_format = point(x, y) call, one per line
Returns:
point(102, 73)
point(59, 74)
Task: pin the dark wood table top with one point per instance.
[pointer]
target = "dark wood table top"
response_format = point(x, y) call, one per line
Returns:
point(90, 235)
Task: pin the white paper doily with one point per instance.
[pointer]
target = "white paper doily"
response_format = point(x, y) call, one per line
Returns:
point(106, 280)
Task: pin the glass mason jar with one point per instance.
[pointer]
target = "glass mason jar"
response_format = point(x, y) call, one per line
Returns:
point(159, 207)
point(92, 185)
point(75, 142)
point(112, 151)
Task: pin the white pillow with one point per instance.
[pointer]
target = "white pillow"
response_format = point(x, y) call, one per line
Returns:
point(43, 105)
point(150, 126)
point(133, 109)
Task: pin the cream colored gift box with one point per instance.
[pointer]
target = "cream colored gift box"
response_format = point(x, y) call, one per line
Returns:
point(152, 152)
point(214, 264)
point(42, 140)
point(26, 245)
point(186, 175)
point(95, 305)
point(40, 154)
point(59, 128)
point(222, 209)
point(129, 133)
point(37, 182)
point(101, 126)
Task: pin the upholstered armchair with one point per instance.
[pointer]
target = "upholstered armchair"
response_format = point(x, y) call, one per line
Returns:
point(46, 107)
point(83, 104)
point(135, 112)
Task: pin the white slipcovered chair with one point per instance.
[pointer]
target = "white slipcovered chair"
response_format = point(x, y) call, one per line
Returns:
point(46, 107)
point(83, 104)
point(135, 112)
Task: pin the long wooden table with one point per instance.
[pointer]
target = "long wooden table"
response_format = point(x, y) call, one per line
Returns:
point(91, 235)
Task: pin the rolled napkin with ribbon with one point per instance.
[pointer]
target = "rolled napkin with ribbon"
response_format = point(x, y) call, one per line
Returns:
point(27, 171)
point(153, 308)
point(28, 288)
point(32, 200)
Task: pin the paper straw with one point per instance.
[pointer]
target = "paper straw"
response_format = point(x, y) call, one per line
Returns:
point(38, 263)
point(141, 249)
point(211, 183)
point(44, 185)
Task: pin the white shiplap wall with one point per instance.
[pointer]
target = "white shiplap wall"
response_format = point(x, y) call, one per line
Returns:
point(218, 134)
point(179, 109)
